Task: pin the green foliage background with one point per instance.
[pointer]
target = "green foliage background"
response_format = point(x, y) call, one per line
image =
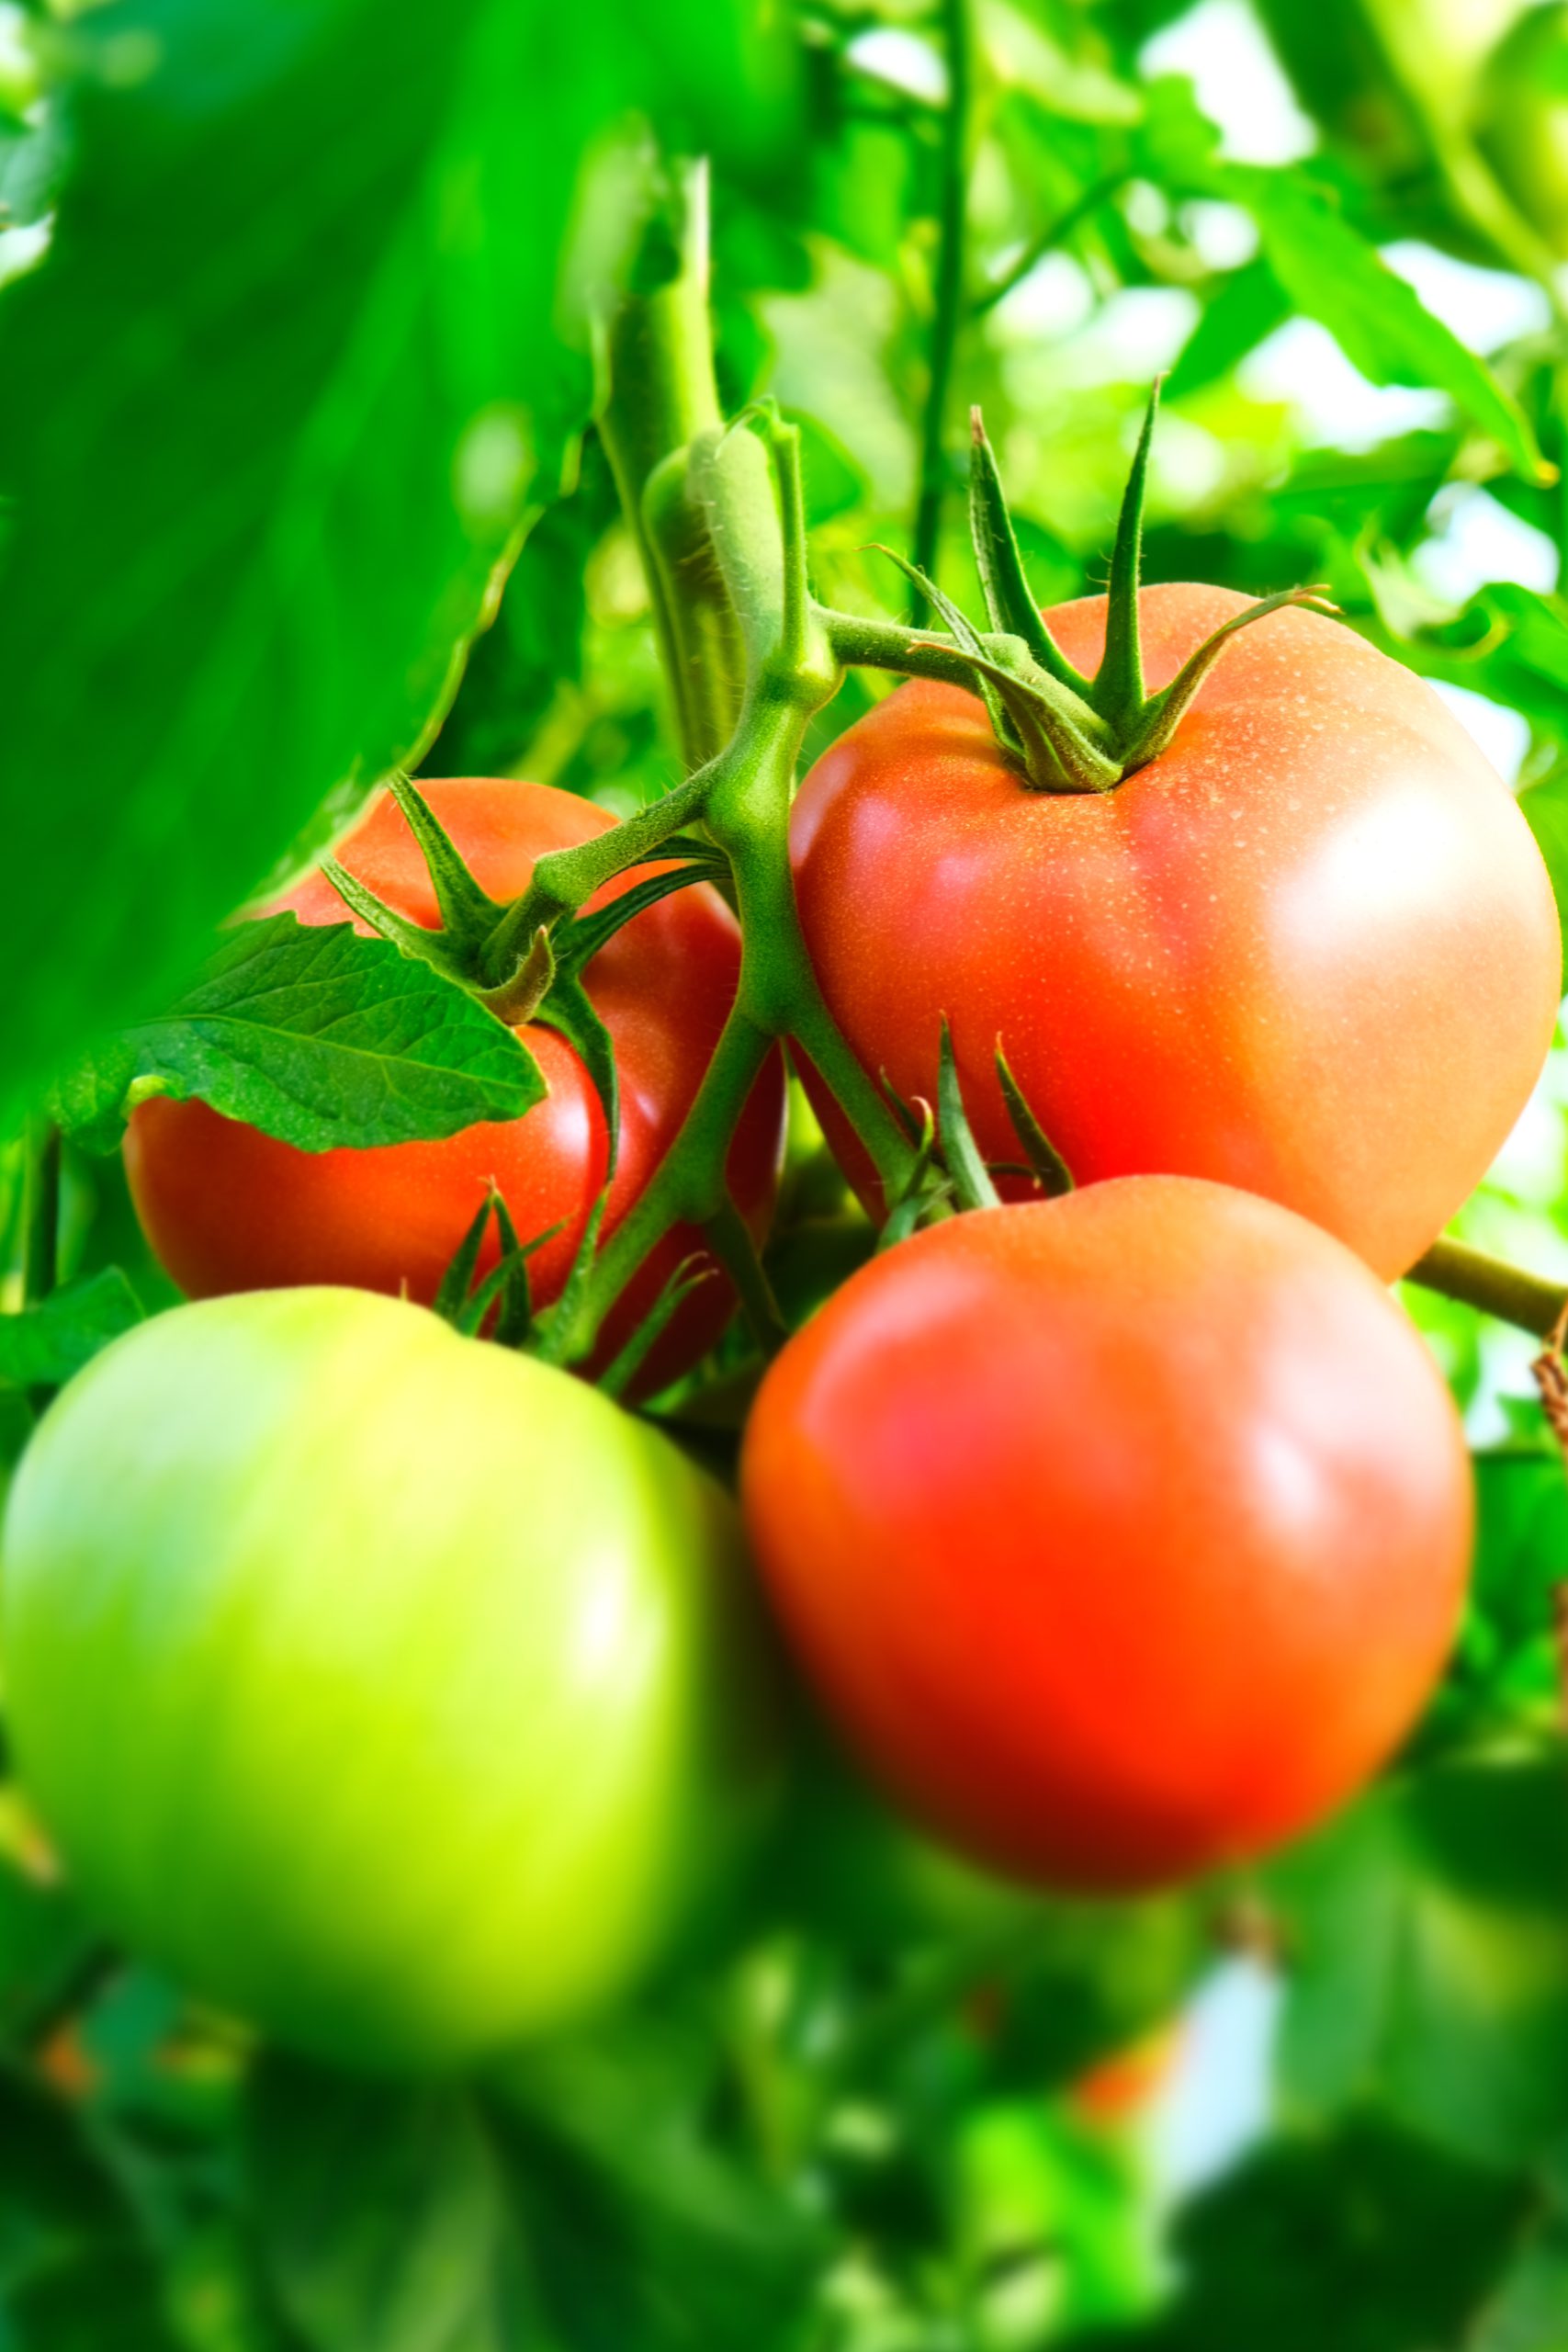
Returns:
point(298, 366)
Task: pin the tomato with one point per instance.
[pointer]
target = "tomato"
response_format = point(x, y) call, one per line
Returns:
point(398, 1693)
point(227, 1208)
point(1310, 950)
point(1521, 119)
point(1121, 1535)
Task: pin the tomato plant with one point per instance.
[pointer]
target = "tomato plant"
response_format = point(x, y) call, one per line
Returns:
point(401, 1694)
point(1106, 1880)
point(228, 1207)
point(1124, 1535)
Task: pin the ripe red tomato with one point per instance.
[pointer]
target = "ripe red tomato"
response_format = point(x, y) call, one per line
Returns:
point(1310, 950)
point(1121, 1535)
point(228, 1209)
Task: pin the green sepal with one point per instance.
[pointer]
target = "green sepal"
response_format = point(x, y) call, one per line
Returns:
point(1117, 693)
point(967, 638)
point(1162, 713)
point(971, 1177)
point(917, 1194)
point(570, 1011)
point(1034, 716)
point(466, 910)
point(1046, 1165)
point(1067, 732)
point(689, 1276)
point(556, 1336)
point(1011, 607)
point(410, 939)
point(457, 1280)
point(909, 1118)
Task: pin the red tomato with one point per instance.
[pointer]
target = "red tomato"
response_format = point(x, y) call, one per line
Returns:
point(1121, 1535)
point(1310, 950)
point(228, 1209)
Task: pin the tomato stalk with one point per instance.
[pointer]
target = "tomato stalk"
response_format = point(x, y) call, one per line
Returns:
point(1475, 1278)
point(662, 396)
point(747, 479)
point(957, 139)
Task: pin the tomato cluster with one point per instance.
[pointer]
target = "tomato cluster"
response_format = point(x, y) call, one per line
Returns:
point(409, 1697)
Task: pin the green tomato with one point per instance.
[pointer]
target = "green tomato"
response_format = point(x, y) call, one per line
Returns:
point(395, 1691)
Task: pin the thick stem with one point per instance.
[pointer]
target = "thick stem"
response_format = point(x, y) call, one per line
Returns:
point(887, 644)
point(948, 316)
point(1491, 1284)
point(662, 395)
point(747, 811)
point(40, 1240)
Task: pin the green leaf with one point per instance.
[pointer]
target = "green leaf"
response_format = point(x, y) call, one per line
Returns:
point(1245, 306)
point(272, 418)
point(580, 2215)
point(318, 1036)
point(1365, 2241)
point(75, 2275)
point(1331, 274)
point(1429, 1959)
point(382, 2217)
point(44, 1345)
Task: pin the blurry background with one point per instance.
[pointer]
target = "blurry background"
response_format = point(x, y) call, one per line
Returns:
point(276, 412)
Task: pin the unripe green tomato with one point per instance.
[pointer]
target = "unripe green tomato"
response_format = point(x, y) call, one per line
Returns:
point(395, 1691)
point(1522, 119)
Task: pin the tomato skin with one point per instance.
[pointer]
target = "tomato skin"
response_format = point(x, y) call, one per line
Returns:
point(1310, 951)
point(398, 1693)
point(227, 1208)
point(1121, 1536)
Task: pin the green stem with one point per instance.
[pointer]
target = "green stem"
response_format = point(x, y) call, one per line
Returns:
point(41, 1244)
point(747, 811)
point(568, 878)
point(888, 645)
point(1477, 1279)
point(730, 1238)
point(957, 123)
point(662, 395)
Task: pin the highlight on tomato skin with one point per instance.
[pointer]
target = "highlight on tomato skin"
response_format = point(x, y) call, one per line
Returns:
point(227, 1208)
point(1310, 950)
point(1121, 1536)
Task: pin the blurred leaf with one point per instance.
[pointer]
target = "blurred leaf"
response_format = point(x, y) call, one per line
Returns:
point(1365, 2241)
point(74, 2274)
point(643, 2231)
point(382, 2217)
point(43, 1941)
point(1331, 274)
point(1247, 305)
point(272, 417)
point(318, 1036)
point(1510, 1646)
point(42, 1346)
point(572, 2219)
point(1528, 2310)
point(1428, 1933)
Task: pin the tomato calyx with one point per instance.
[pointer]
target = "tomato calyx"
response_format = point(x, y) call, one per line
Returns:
point(521, 972)
point(954, 1174)
point(1063, 731)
